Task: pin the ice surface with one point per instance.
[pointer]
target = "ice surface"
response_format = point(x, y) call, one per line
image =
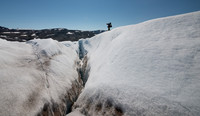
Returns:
point(151, 68)
point(75, 113)
point(34, 73)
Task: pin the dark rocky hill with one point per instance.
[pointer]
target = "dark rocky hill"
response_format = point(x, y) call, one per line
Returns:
point(60, 34)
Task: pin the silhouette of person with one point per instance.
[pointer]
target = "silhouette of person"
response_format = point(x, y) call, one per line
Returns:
point(109, 26)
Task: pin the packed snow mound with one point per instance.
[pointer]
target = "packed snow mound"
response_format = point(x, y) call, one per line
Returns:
point(33, 74)
point(151, 68)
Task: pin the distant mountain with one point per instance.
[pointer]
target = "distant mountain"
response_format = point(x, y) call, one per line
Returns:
point(60, 34)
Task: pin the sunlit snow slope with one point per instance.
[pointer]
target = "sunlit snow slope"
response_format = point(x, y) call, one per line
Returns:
point(151, 68)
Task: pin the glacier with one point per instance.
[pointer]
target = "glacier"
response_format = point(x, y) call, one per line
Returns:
point(150, 68)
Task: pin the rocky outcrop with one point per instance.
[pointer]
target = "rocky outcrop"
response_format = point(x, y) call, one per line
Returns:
point(59, 34)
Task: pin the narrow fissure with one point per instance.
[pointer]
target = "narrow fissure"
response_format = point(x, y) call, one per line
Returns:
point(83, 73)
point(52, 108)
point(106, 107)
point(84, 68)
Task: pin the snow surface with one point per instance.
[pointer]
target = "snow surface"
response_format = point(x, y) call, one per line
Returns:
point(10, 32)
point(151, 68)
point(33, 34)
point(34, 73)
point(24, 35)
point(69, 33)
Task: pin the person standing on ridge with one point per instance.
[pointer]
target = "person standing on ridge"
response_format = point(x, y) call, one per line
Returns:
point(109, 26)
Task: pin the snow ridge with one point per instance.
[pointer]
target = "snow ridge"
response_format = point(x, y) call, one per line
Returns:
point(151, 68)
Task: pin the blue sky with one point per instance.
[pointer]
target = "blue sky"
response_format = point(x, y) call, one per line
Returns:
point(88, 14)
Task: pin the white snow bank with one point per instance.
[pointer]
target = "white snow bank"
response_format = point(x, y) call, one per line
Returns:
point(33, 34)
point(69, 33)
point(34, 74)
point(152, 68)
